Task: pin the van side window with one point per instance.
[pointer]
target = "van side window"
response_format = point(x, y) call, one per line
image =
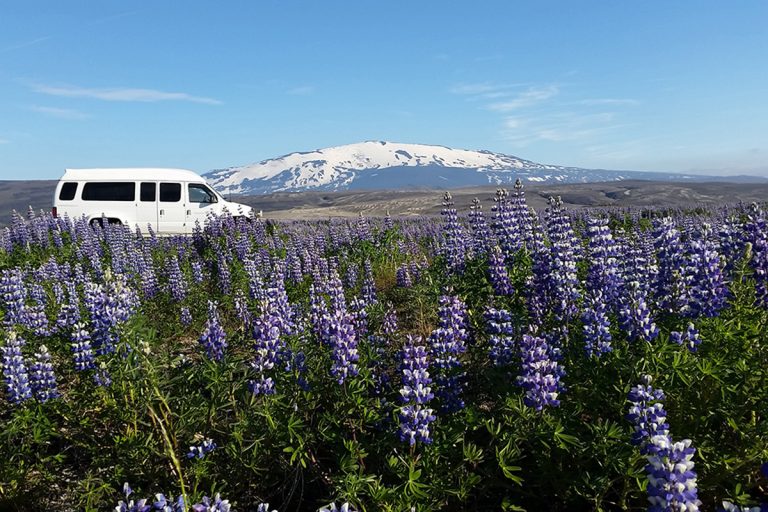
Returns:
point(149, 192)
point(170, 192)
point(109, 191)
point(199, 193)
point(68, 191)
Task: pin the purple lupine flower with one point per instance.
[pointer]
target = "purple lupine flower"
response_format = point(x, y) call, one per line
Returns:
point(264, 507)
point(671, 289)
point(521, 215)
point(42, 380)
point(14, 370)
point(215, 504)
point(213, 339)
point(161, 503)
point(101, 377)
point(541, 373)
point(342, 338)
point(268, 346)
point(647, 414)
point(454, 243)
point(597, 326)
point(363, 229)
point(359, 316)
point(708, 291)
point(201, 450)
point(504, 225)
point(415, 416)
point(671, 479)
point(690, 338)
point(497, 272)
point(502, 344)
point(132, 506)
point(447, 343)
point(82, 352)
point(224, 274)
point(185, 317)
point(727, 506)
point(481, 233)
point(13, 294)
point(197, 271)
point(403, 276)
point(635, 317)
point(603, 274)
point(177, 284)
point(564, 285)
point(331, 507)
point(756, 234)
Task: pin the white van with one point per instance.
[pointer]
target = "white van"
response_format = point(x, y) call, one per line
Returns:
point(169, 200)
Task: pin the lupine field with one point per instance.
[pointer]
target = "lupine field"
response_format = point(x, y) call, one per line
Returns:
point(495, 358)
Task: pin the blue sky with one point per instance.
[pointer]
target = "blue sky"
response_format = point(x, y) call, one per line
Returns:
point(652, 85)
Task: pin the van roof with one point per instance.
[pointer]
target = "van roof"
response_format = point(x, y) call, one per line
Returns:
point(131, 174)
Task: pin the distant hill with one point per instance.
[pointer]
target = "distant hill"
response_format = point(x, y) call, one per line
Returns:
point(379, 165)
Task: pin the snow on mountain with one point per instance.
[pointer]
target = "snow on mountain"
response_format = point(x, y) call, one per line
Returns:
point(390, 165)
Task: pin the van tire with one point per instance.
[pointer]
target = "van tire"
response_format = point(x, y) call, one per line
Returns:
point(110, 220)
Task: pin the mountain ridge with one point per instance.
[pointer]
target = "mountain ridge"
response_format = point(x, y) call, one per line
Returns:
point(397, 166)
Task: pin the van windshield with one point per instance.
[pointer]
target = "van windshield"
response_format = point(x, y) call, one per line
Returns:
point(199, 193)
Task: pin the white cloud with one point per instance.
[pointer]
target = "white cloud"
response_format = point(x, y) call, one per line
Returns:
point(61, 113)
point(529, 98)
point(609, 101)
point(122, 94)
point(4, 141)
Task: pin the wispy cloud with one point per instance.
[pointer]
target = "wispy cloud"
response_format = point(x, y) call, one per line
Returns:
point(4, 141)
point(609, 101)
point(61, 113)
point(126, 94)
point(24, 44)
point(302, 90)
point(528, 98)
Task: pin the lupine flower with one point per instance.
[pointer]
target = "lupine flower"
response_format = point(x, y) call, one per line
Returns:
point(42, 380)
point(731, 507)
point(454, 243)
point(690, 338)
point(501, 341)
point(177, 284)
point(497, 272)
point(671, 290)
point(268, 345)
point(82, 351)
point(540, 372)
point(504, 225)
point(564, 285)
point(447, 343)
point(635, 317)
point(708, 292)
point(14, 370)
point(161, 503)
point(213, 339)
point(131, 506)
point(597, 333)
point(264, 507)
point(481, 233)
point(13, 294)
point(671, 479)
point(345, 507)
point(215, 504)
point(185, 317)
point(101, 377)
point(415, 416)
point(342, 338)
point(603, 274)
point(201, 450)
point(403, 276)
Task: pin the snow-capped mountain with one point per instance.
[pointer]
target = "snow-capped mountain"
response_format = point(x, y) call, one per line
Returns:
point(390, 165)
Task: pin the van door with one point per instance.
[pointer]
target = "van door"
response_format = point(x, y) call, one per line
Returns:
point(147, 209)
point(202, 202)
point(171, 216)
